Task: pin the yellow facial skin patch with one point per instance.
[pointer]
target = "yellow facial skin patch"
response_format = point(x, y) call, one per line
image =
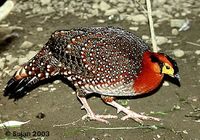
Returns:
point(167, 69)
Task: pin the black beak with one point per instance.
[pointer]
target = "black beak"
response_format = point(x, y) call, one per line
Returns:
point(177, 79)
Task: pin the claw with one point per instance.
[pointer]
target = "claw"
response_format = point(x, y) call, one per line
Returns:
point(138, 118)
point(130, 114)
point(100, 118)
point(82, 107)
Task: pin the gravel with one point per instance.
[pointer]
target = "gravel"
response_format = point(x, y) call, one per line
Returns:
point(26, 45)
point(126, 10)
point(24, 59)
point(178, 53)
point(177, 22)
point(44, 88)
point(11, 59)
point(134, 28)
point(2, 63)
point(56, 82)
point(45, 2)
point(39, 29)
point(140, 18)
point(161, 40)
point(111, 12)
point(175, 32)
point(145, 37)
point(103, 6)
point(197, 52)
point(165, 83)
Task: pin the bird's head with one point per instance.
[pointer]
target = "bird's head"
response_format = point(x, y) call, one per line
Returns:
point(164, 64)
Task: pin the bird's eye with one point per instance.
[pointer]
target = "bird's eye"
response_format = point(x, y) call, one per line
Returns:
point(167, 67)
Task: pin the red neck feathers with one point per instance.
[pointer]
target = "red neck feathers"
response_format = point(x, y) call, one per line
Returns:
point(150, 77)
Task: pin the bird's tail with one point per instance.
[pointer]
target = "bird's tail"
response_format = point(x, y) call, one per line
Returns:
point(42, 66)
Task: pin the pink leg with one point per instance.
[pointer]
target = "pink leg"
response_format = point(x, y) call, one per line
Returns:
point(130, 114)
point(90, 114)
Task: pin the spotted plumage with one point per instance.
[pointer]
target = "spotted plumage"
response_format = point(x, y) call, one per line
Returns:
point(106, 60)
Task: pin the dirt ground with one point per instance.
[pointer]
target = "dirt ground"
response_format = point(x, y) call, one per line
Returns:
point(178, 108)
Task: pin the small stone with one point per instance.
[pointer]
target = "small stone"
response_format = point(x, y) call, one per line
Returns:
point(158, 3)
point(177, 15)
point(197, 52)
point(22, 60)
point(45, 2)
point(156, 25)
point(158, 136)
point(111, 12)
point(145, 37)
point(175, 44)
point(134, 28)
point(175, 31)
point(178, 52)
point(39, 29)
point(100, 21)
point(52, 89)
point(11, 59)
point(160, 14)
point(31, 54)
point(195, 100)
point(49, 10)
point(111, 17)
point(26, 45)
point(165, 83)
point(51, 85)
point(6, 71)
point(44, 88)
point(177, 22)
point(183, 14)
point(103, 6)
point(169, 41)
point(25, 37)
point(61, 3)
point(137, 18)
point(95, 6)
point(73, 92)
point(11, 73)
point(2, 63)
point(161, 40)
point(56, 82)
point(185, 132)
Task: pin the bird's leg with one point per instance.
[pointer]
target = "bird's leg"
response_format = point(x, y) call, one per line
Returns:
point(90, 114)
point(129, 114)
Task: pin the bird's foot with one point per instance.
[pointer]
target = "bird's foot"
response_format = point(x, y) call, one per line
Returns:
point(130, 114)
point(91, 115)
point(137, 117)
point(100, 118)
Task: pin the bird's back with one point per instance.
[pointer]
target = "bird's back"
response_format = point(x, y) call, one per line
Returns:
point(105, 60)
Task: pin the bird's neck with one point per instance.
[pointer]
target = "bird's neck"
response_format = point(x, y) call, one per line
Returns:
point(149, 78)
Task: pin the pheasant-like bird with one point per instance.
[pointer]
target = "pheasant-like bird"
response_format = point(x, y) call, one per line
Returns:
point(105, 60)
